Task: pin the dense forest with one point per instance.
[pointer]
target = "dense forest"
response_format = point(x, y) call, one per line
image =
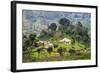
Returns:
point(58, 43)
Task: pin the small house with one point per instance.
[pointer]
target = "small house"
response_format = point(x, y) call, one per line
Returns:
point(66, 41)
point(46, 44)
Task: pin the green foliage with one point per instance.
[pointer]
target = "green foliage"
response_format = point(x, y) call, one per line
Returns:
point(61, 49)
point(64, 21)
point(35, 56)
point(26, 43)
point(78, 49)
point(72, 51)
point(64, 24)
point(32, 36)
point(52, 26)
point(55, 45)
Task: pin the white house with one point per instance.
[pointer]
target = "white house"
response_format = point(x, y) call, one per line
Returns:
point(66, 41)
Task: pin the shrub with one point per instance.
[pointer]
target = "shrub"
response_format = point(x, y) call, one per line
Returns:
point(55, 45)
point(49, 50)
point(72, 51)
point(60, 51)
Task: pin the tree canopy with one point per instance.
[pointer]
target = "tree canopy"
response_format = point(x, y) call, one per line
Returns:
point(52, 26)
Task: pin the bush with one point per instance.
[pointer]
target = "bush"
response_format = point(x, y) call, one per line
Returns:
point(72, 51)
point(60, 51)
point(49, 50)
point(55, 45)
point(32, 37)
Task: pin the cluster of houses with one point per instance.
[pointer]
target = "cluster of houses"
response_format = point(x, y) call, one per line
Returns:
point(48, 44)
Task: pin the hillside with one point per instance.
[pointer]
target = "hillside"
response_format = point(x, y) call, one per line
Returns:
point(56, 36)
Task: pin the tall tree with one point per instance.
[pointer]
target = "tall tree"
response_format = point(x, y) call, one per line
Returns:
point(32, 37)
point(64, 21)
point(52, 26)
